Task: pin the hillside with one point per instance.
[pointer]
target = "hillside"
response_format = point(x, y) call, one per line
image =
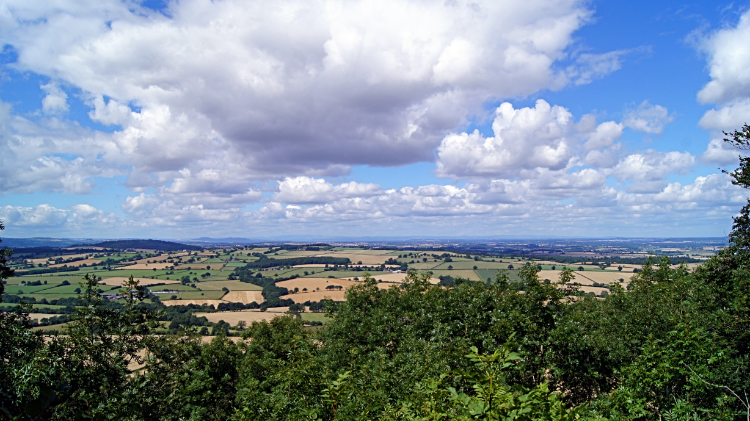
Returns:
point(142, 244)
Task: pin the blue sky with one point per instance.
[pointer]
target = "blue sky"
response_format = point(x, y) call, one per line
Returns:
point(176, 119)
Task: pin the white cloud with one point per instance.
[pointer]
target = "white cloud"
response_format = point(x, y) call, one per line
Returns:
point(315, 190)
point(729, 117)
point(720, 152)
point(728, 61)
point(294, 89)
point(525, 139)
point(648, 118)
point(594, 66)
point(49, 155)
point(493, 207)
point(109, 113)
point(55, 101)
point(604, 136)
point(652, 166)
point(81, 218)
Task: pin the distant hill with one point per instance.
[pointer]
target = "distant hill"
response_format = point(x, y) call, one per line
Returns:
point(142, 244)
point(44, 242)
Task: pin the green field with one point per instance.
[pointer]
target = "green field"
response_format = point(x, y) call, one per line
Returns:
point(466, 274)
point(9, 306)
point(345, 274)
point(195, 295)
point(492, 274)
point(15, 289)
point(230, 285)
point(172, 287)
point(314, 317)
point(60, 327)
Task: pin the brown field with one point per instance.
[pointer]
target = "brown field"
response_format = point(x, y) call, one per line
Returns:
point(248, 316)
point(244, 297)
point(596, 291)
point(588, 278)
point(317, 296)
point(118, 280)
point(313, 284)
point(606, 277)
point(87, 262)
point(40, 316)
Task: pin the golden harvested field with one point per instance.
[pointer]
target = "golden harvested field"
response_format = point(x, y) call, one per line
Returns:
point(87, 262)
point(118, 280)
point(596, 291)
point(588, 278)
point(234, 317)
point(606, 277)
point(313, 284)
point(230, 285)
point(316, 296)
point(40, 316)
point(244, 297)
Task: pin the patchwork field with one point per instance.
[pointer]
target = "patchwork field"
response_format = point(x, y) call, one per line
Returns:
point(151, 266)
point(366, 259)
point(244, 297)
point(466, 274)
point(230, 285)
point(314, 284)
point(248, 316)
point(302, 297)
point(118, 280)
point(77, 263)
point(393, 278)
point(588, 278)
point(211, 284)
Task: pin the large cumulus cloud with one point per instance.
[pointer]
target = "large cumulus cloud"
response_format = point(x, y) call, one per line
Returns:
point(293, 87)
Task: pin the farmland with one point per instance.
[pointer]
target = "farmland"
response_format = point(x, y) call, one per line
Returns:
point(247, 277)
point(287, 292)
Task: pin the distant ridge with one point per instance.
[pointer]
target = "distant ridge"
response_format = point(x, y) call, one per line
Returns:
point(141, 244)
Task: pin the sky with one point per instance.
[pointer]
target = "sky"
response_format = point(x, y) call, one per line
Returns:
point(372, 118)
